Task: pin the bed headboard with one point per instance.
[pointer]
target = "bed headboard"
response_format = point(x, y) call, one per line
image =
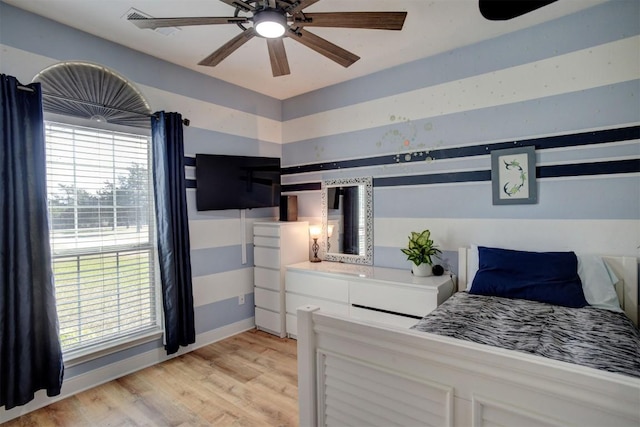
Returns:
point(626, 268)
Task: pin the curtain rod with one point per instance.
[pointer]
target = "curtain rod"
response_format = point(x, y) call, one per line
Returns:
point(185, 121)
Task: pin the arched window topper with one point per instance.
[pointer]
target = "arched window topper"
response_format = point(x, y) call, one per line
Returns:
point(92, 91)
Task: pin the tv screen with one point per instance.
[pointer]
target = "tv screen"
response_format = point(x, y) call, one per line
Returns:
point(236, 182)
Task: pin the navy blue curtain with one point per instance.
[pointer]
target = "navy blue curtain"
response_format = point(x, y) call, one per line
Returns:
point(173, 230)
point(30, 353)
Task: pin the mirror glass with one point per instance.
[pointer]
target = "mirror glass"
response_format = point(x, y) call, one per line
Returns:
point(347, 220)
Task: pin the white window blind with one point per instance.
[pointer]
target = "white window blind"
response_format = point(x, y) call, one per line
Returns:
point(100, 199)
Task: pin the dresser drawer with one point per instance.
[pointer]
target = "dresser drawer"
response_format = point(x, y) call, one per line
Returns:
point(325, 287)
point(267, 299)
point(267, 278)
point(272, 242)
point(266, 257)
point(294, 301)
point(292, 319)
point(268, 320)
point(380, 317)
point(264, 230)
point(399, 299)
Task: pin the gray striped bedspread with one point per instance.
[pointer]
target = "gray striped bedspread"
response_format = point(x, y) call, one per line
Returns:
point(586, 336)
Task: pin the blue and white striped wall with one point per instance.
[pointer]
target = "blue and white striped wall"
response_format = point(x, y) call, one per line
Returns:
point(225, 119)
point(424, 132)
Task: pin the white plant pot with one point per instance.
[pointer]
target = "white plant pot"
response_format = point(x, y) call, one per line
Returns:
point(422, 270)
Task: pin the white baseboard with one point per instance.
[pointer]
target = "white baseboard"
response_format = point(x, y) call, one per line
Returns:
point(124, 367)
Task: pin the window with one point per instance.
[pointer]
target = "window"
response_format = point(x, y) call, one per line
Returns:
point(102, 235)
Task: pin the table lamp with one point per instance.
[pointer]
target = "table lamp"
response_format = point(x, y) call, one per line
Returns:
point(315, 231)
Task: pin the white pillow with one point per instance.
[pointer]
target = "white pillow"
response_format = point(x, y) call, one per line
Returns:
point(597, 279)
point(472, 265)
point(598, 282)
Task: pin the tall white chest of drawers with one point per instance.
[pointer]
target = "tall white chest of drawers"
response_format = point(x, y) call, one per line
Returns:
point(276, 244)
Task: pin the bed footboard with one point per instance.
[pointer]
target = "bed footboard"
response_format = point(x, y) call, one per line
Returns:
point(354, 373)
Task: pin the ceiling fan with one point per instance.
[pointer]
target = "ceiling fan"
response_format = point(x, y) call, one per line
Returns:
point(276, 19)
point(503, 10)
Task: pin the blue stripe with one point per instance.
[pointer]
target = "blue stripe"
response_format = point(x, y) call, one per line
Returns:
point(436, 178)
point(572, 140)
point(582, 169)
point(221, 313)
point(309, 186)
point(218, 260)
point(596, 168)
point(611, 198)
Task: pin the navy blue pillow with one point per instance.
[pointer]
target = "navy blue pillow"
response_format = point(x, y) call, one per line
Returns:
point(550, 277)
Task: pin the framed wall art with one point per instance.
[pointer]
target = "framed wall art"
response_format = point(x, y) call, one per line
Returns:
point(513, 176)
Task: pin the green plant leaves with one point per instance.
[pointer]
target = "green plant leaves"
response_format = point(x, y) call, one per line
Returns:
point(420, 248)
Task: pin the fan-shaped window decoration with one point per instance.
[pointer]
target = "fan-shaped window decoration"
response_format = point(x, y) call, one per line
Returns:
point(92, 91)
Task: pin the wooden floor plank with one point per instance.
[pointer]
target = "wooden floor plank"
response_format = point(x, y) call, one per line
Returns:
point(278, 384)
point(249, 379)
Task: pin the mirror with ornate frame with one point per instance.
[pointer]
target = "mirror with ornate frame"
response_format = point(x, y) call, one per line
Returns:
point(347, 220)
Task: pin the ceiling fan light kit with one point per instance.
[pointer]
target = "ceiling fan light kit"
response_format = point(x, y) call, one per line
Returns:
point(270, 23)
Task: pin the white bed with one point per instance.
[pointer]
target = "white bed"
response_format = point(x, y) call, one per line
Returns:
point(356, 373)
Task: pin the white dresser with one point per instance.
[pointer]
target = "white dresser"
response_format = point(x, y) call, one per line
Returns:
point(384, 295)
point(276, 244)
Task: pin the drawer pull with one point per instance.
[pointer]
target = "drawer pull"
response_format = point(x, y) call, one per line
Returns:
point(387, 311)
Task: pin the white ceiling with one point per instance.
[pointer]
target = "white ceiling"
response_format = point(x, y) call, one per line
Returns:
point(431, 27)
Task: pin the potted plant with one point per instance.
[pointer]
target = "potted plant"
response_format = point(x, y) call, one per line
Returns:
point(419, 251)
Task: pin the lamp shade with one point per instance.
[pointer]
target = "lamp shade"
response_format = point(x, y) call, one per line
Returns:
point(315, 231)
point(270, 23)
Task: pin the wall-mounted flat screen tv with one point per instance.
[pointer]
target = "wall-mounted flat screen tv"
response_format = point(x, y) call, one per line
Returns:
point(236, 182)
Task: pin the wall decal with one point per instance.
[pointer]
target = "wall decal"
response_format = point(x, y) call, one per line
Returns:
point(400, 137)
point(405, 140)
point(415, 156)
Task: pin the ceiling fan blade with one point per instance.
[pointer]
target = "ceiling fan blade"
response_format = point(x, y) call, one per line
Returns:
point(247, 7)
point(153, 23)
point(370, 20)
point(301, 5)
point(503, 10)
point(228, 48)
point(278, 57)
point(323, 47)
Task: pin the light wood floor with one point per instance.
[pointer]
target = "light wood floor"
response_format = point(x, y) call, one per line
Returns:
point(249, 379)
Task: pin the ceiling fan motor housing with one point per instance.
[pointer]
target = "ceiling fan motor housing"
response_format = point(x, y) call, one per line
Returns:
point(270, 23)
